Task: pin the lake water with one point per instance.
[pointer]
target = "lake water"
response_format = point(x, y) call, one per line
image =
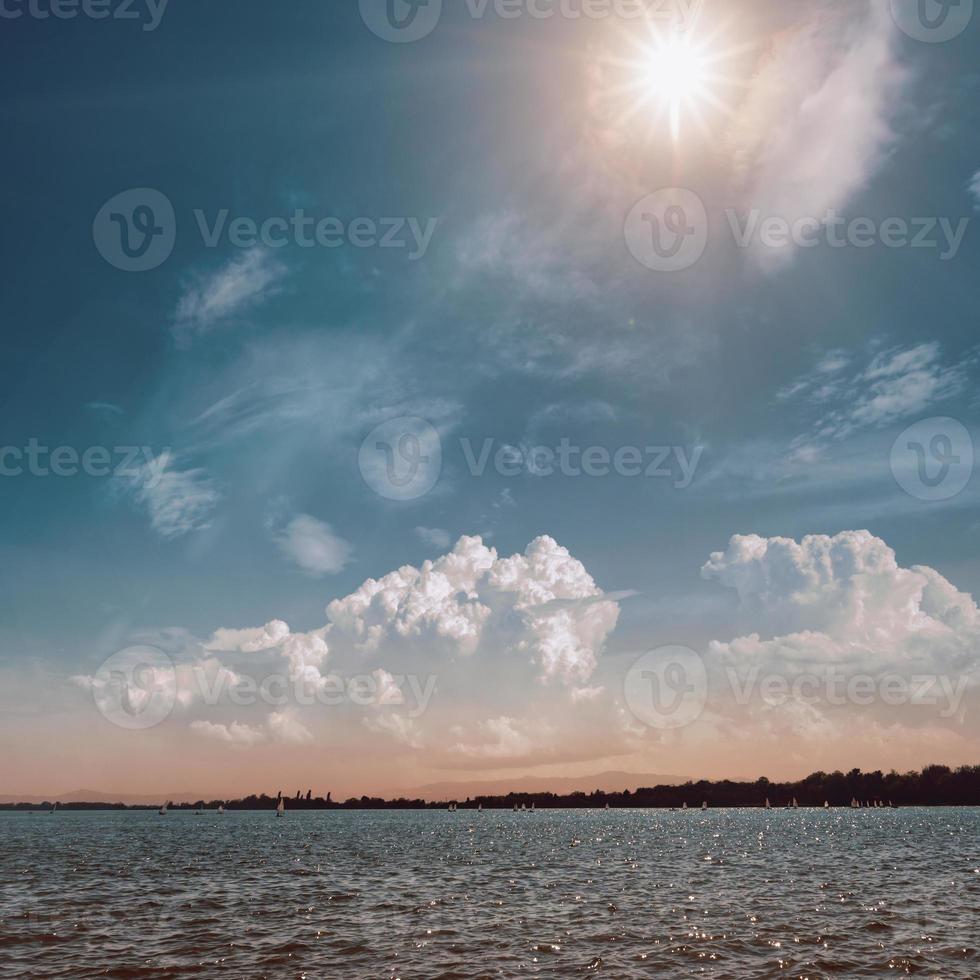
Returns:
point(619, 893)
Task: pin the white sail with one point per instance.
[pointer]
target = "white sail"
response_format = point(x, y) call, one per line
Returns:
point(768, 804)
point(684, 806)
point(704, 806)
point(221, 808)
point(281, 807)
point(479, 806)
point(162, 811)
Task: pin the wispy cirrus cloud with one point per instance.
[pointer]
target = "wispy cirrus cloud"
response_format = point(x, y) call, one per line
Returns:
point(974, 188)
point(177, 501)
point(244, 282)
point(817, 122)
point(434, 537)
point(893, 385)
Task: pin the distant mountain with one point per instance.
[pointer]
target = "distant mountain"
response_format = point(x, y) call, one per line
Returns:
point(100, 796)
point(606, 782)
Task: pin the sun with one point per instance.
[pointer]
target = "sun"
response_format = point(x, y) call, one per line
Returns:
point(674, 74)
point(677, 73)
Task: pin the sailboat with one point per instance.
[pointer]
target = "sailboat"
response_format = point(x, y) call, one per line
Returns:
point(826, 804)
point(607, 806)
point(768, 805)
point(523, 806)
point(281, 807)
point(163, 810)
point(704, 805)
point(479, 806)
point(683, 806)
point(54, 809)
point(515, 808)
point(532, 808)
point(794, 804)
point(221, 808)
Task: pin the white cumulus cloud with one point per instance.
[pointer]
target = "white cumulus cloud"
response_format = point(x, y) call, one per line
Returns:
point(845, 600)
point(234, 734)
point(542, 602)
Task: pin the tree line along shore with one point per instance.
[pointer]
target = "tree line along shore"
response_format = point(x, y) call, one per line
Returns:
point(935, 785)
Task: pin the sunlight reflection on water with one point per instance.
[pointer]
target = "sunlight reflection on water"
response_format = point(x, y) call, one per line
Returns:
point(623, 893)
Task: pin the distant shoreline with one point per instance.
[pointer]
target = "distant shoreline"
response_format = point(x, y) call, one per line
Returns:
point(936, 786)
point(41, 808)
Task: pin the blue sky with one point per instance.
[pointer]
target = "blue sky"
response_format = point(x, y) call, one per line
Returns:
point(506, 154)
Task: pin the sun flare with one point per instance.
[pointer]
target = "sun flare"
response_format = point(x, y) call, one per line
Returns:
point(676, 75)
point(676, 72)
